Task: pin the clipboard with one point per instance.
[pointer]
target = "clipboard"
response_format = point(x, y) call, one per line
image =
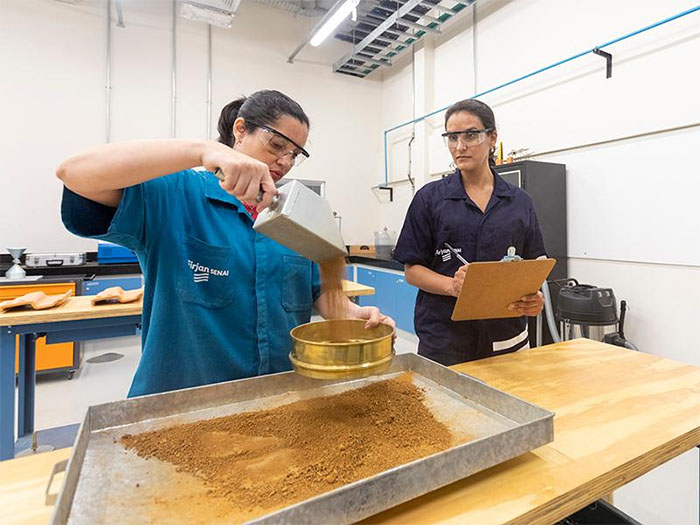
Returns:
point(489, 287)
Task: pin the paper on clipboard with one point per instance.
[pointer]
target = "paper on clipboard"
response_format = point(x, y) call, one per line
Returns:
point(489, 287)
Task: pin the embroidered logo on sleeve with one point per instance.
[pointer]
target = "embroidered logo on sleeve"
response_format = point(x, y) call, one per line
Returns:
point(201, 273)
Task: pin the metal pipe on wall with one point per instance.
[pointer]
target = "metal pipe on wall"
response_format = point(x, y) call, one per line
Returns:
point(120, 15)
point(208, 133)
point(173, 88)
point(409, 174)
point(108, 74)
point(474, 48)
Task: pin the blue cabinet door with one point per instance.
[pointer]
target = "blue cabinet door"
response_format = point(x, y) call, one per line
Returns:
point(392, 295)
point(406, 303)
point(396, 298)
point(386, 293)
point(95, 286)
point(368, 278)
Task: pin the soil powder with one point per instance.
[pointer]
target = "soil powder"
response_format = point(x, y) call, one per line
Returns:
point(332, 275)
point(261, 461)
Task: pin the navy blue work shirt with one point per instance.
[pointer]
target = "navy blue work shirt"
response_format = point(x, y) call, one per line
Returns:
point(220, 299)
point(442, 212)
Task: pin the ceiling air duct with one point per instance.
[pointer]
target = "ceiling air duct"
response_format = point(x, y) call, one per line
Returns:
point(214, 12)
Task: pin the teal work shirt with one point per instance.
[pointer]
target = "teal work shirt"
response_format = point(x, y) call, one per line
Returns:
point(220, 299)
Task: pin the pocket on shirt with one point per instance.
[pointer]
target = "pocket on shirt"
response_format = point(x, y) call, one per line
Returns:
point(205, 273)
point(296, 283)
point(499, 236)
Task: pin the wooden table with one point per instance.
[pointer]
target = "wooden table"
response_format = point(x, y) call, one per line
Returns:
point(75, 320)
point(353, 289)
point(619, 414)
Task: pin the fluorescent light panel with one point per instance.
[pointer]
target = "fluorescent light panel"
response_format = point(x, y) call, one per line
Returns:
point(333, 22)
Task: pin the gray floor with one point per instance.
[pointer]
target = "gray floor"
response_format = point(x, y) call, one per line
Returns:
point(61, 403)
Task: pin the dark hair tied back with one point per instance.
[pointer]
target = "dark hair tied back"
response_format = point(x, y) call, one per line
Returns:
point(262, 107)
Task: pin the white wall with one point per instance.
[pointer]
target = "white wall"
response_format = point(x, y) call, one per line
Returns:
point(52, 101)
point(633, 222)
point(51, 104)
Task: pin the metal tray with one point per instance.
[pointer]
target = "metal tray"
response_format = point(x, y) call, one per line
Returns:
point(99, 485)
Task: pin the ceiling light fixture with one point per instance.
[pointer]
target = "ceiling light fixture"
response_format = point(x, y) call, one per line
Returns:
point(349, 6)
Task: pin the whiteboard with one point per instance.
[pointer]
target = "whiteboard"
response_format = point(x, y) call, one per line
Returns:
point(636, 200)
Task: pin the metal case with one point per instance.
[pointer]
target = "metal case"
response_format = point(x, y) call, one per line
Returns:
point(39, 260)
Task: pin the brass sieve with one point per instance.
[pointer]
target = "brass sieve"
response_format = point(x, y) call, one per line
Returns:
point(341, 348)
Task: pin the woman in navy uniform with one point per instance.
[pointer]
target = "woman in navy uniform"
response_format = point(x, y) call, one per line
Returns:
point(480, 215)
point(220, 298)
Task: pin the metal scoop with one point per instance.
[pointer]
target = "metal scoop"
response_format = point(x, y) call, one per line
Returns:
point(303, 222)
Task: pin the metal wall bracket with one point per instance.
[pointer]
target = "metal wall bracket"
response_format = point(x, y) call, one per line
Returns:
point(384, 187)
point(608, 61)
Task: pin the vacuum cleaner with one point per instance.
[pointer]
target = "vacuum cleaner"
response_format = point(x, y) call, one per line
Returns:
point(584, 310)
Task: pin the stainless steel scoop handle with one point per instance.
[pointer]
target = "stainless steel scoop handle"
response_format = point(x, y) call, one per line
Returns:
point(275, 200)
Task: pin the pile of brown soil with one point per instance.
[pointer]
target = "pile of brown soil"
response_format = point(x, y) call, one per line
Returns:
point(273, 458)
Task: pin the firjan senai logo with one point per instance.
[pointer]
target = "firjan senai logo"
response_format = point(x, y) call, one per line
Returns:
point(446, 255)
point(201, 273)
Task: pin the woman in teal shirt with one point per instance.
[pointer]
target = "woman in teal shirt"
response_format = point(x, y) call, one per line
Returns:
point(220, 299)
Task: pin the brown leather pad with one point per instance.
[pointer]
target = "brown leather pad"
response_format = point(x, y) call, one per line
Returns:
point(116, 294)
point(36, 301)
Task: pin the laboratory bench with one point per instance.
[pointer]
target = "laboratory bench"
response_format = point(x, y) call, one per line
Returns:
point(618, 415)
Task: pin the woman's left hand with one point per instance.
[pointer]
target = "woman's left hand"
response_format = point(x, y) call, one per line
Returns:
point(530, 305)
point(373, 317)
